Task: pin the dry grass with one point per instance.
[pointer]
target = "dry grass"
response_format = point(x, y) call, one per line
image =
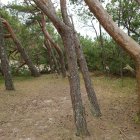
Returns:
point(40, 109)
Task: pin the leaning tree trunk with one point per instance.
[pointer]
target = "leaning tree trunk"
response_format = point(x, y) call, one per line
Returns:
point(4, 62)
point(121, 38)
point(49, 56)
point(55, 46)
point(21, 50)
point(74, 80)
point(95, 109)
point(55, 62)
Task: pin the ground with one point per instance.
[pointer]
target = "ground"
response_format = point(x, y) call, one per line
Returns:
point(40, 109)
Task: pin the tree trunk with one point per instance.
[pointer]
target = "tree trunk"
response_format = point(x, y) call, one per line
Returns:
point(121, 38)
point(74, 80)
point(21, 50)
point(56, 47)
point(95, 109)
point(56, 66)
point(49, 57)
point(79, 113)
point(138, 81)
point(4, 62)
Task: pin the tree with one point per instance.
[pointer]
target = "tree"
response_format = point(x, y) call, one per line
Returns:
point(122, 39)
point(20, 49)
point(67, 36)
point(53, 44)
point(82, 62)
point(4, 61)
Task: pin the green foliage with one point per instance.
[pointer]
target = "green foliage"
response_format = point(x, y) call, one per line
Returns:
point(114, 58)
point(127, 15)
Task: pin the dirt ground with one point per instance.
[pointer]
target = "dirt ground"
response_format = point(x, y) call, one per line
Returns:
point(40, 109)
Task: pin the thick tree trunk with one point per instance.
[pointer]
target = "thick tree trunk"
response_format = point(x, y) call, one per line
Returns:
point(79, 113)
point(74, 80)
point(56, 47)
point(121, 38)
point(83, 64)
point(4, 62)
point(21, 50)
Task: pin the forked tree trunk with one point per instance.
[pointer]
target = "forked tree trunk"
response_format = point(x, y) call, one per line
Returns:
point(54, 45)
point(121, 38)
point(4, 62)
point(21, 50)
point(83, 64)
point(74, 80)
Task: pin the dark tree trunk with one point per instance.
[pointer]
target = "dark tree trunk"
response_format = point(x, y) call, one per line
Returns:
point(74, 80)
point(4, 62)
point(83, 64)
point(21, 50)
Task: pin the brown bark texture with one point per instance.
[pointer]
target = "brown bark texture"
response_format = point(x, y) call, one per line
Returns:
point(4, 62)
point(21, 50)
point(95, 109)
point(121, 38)
point(74, 80)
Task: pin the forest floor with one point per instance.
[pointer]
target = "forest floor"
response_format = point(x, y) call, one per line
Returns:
point(40, 109)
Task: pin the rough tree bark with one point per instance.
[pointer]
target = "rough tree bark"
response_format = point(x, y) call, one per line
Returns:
point(83, 64)
point(4, 62)
point(121, 38)
point(74, 80)
point(21, 50)
point(56, 47)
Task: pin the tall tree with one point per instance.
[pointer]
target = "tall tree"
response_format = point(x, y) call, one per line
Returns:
point(20, 49)
point(67, 36)
point(4, 61)
point(82, 62)
point(121, 38)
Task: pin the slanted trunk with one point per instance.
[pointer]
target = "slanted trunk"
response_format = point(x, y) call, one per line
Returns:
point(79, 113)
point(49, 57)
point(21, 50)
point(4, 62)
point(74, 80)
point(121, 38)
point(54, 45)
point(56, 66)
point(83, 64)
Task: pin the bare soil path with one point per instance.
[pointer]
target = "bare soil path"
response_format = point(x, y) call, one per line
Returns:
point(40, 109)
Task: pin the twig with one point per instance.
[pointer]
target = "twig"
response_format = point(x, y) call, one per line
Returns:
point(123, 133)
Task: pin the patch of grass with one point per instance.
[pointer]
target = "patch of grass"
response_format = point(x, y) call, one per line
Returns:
point(127, 85)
